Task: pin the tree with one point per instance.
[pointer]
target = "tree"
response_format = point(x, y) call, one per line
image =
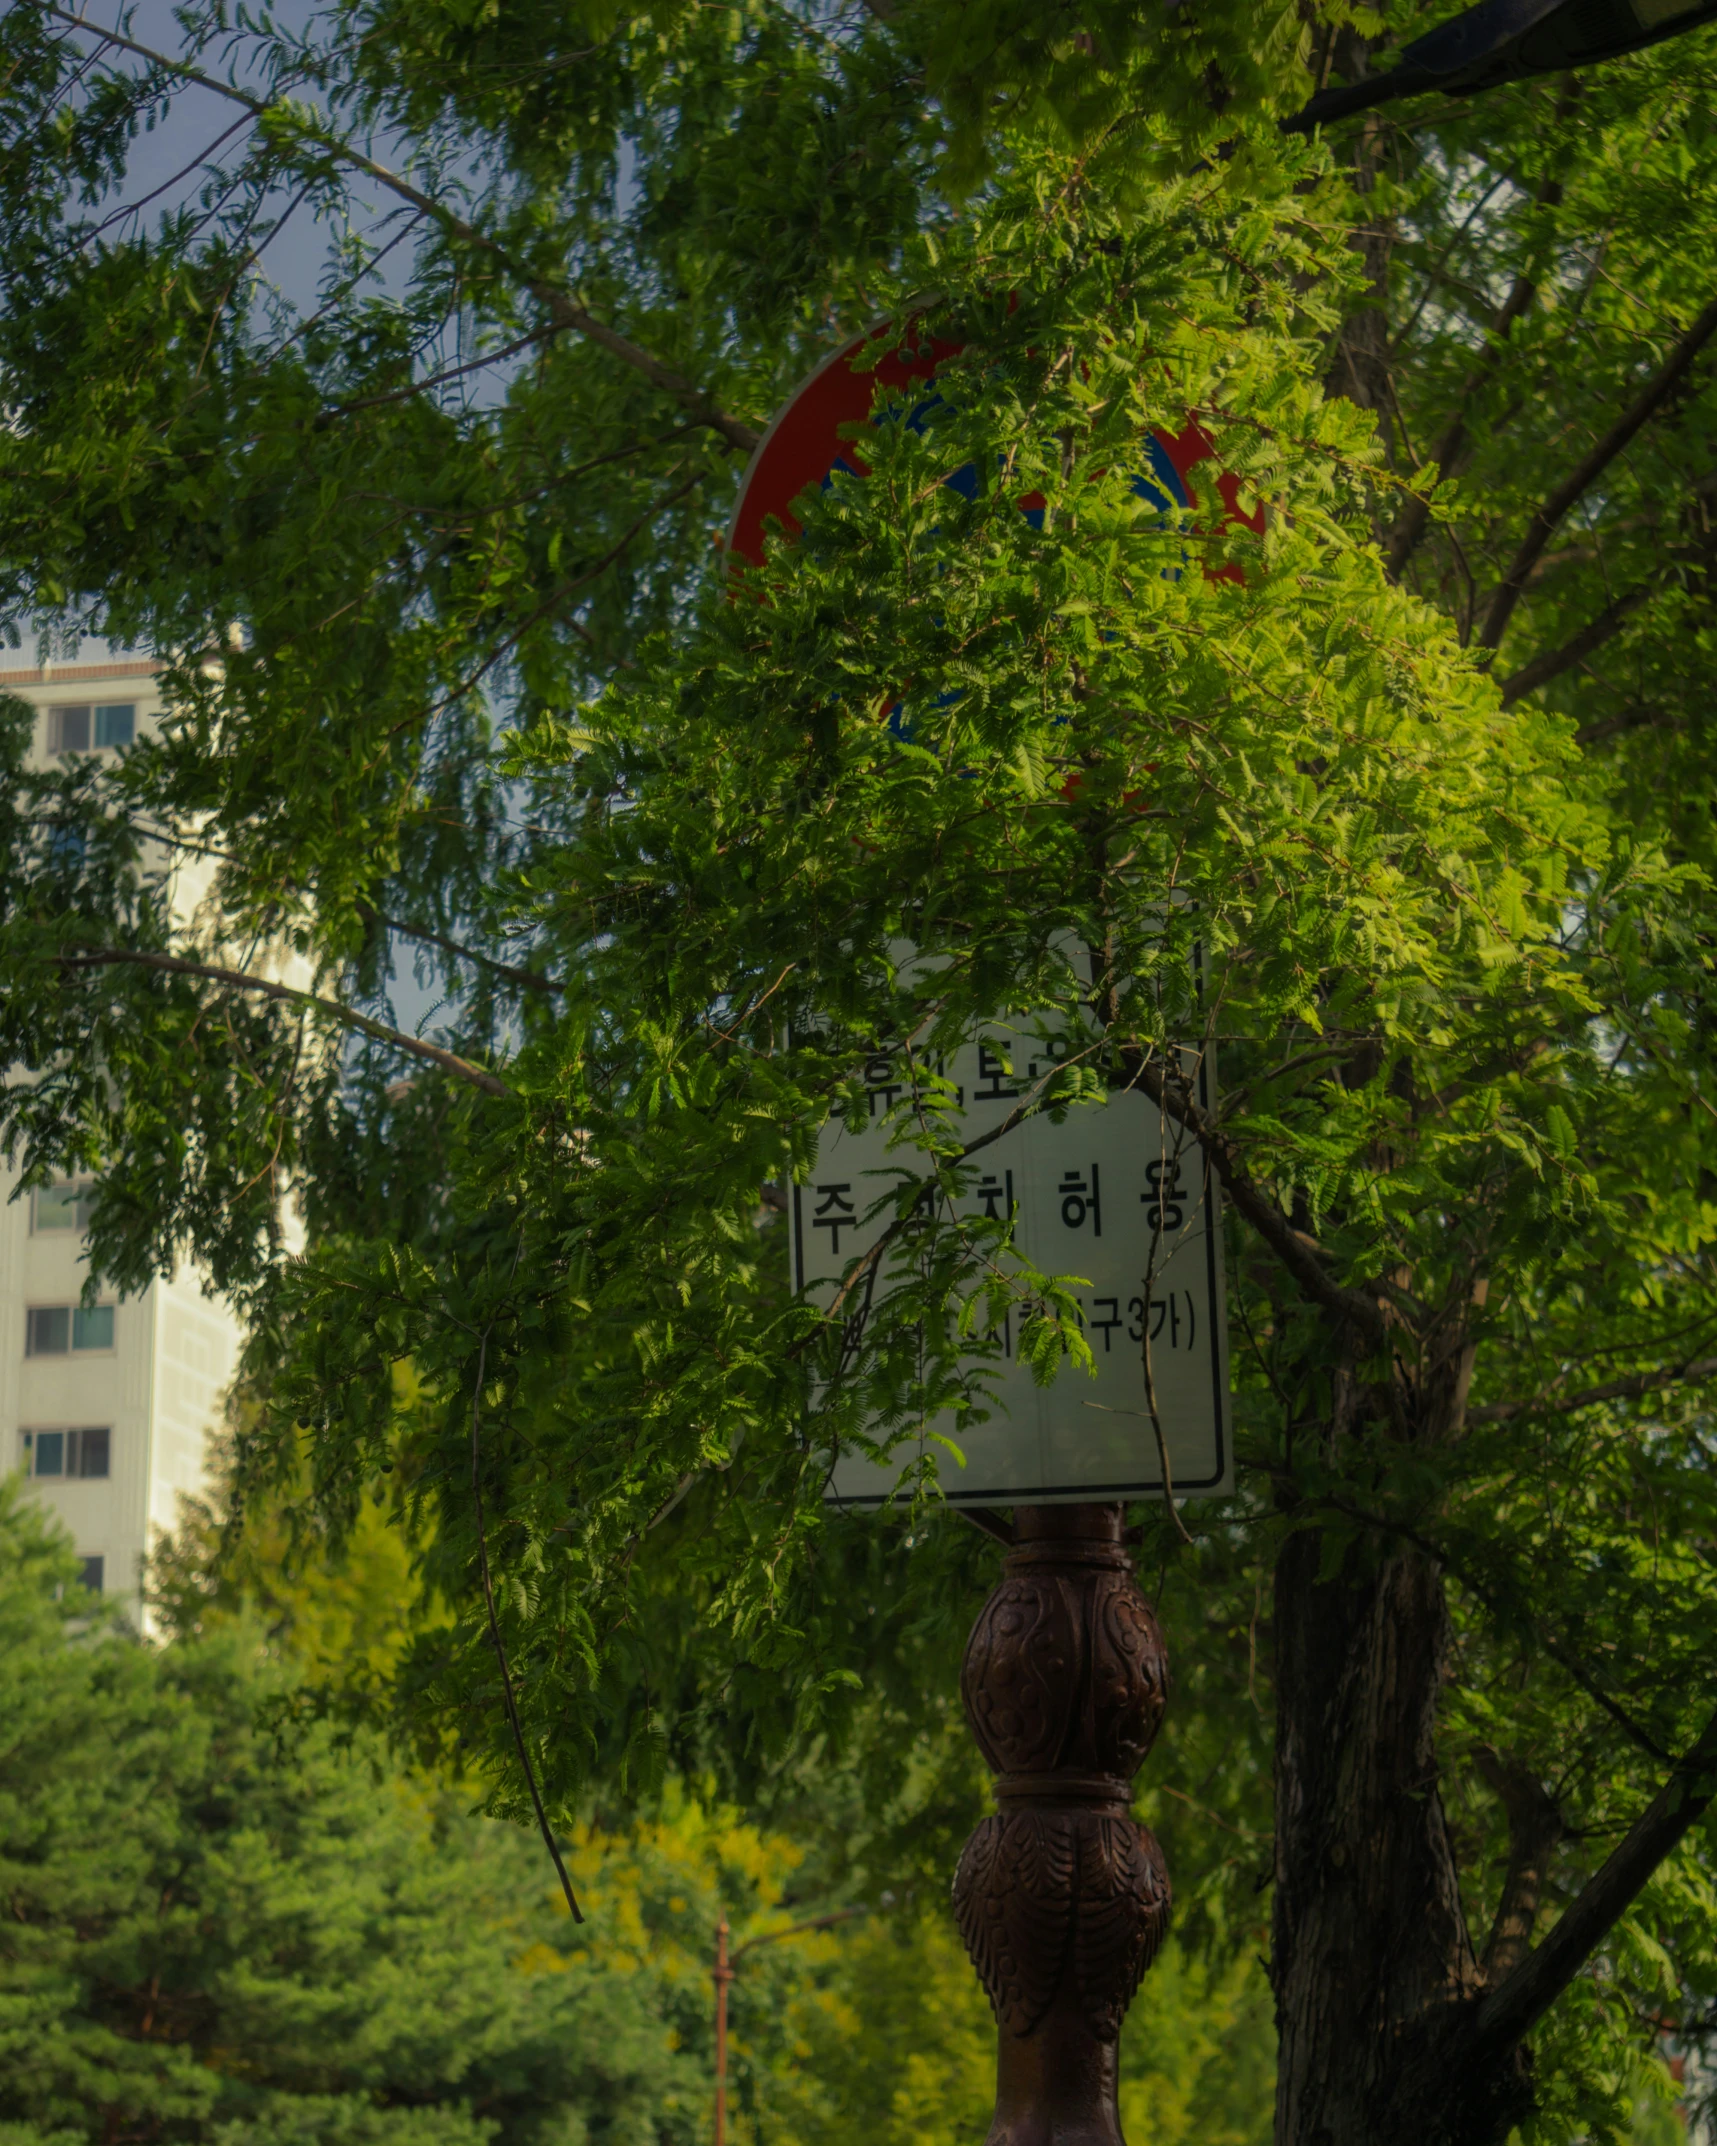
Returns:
point(909, 2052)
point(222, 1927)
point(457, 675)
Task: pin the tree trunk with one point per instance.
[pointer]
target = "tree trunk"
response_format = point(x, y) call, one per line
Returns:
point(1372, 1958)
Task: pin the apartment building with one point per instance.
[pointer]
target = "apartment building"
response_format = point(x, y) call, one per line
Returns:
point(108, 1409)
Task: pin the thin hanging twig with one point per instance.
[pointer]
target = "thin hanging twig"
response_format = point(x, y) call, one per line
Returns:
point(1145, 1287)
point(1169, 1506)
point(549, 1841)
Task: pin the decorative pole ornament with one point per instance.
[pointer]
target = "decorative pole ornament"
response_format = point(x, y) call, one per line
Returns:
point(1061, 1896)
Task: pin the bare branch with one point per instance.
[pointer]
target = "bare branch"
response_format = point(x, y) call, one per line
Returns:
point(1574, 487)
point(239, 980)
point(1525, 1995)
point(1622, 1389)
point(563, 309)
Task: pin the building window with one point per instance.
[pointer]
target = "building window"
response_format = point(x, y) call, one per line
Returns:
point(62, 1329)
point(67, 848)
point(92, 1326)
point(93, 1573)
point(68, 1456)
point(65, 1206)
point(68, 730)
point(48, 1330)
point(109, 726)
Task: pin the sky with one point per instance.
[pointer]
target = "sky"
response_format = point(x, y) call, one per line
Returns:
point(170, 163)
point(168, 167)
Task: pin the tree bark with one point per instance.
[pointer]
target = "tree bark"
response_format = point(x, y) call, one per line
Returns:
point(1372, 1956)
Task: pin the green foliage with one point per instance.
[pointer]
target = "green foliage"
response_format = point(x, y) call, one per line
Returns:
point(214, 1937)
point(459, 677)
point(905, 2052)
point(218, 1937)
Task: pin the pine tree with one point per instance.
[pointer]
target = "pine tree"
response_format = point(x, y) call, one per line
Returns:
point(228, 1924)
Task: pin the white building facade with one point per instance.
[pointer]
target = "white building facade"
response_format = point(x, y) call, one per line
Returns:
point(109, 1410)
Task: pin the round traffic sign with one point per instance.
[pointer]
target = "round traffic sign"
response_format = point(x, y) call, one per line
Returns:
point(804, 447)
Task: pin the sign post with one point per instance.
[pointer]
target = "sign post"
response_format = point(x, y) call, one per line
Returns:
point(1061, 1896)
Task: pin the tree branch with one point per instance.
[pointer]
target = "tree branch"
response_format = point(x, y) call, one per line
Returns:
point(1535, 1825)
point(1622, 1389)
point(1296, 1253)
point(528, 977)
point(507, 1692)
point(325, 418)
point(1554, 661)
point(816, 1922)
point(1560, 1655)
point(1580, 480)
point(239, 980)
point(1527, 1993)
point(552, 602)
point(1408, 533)
point(1611, 726)
point(988, 1523)
point(563, 309)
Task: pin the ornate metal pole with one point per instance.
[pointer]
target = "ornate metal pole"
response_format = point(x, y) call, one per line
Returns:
point(1061, 1896)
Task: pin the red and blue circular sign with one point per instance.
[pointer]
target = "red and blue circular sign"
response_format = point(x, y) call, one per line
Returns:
point(804, 447)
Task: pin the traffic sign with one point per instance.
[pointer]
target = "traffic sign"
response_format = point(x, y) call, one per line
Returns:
point(804, 447)
point(1116, 1198)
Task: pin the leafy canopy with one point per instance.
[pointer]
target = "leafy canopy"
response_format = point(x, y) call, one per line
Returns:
point(459, 678)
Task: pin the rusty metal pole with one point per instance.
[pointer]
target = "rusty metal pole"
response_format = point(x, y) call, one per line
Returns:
point(727, 1967)
point(1061, 1896)
point(723, 1976)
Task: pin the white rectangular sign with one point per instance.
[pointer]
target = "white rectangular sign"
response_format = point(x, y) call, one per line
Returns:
point(1119, 1199)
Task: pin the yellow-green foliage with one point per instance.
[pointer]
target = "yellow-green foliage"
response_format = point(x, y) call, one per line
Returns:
point(877, 2031)
point(347, 1612)
point(906, 2055)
